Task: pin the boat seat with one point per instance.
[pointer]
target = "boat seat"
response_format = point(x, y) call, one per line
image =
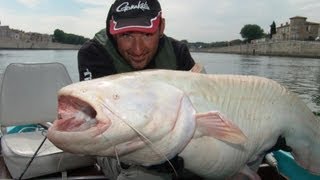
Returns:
point(28, 98)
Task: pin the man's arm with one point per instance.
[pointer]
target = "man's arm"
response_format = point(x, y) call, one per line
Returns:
point(93, 62)
point(184, 60)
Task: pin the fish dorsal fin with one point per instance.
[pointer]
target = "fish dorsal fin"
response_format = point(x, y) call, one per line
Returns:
point(216, 125)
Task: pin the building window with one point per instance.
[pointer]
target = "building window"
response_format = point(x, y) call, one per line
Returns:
point(308, 28)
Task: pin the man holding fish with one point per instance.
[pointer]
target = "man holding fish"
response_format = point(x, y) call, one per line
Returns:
point(220, 126)
point(133, 40)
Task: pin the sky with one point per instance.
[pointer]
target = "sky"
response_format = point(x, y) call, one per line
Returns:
point(191, 20)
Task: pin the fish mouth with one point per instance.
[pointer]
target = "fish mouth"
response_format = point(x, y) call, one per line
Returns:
point(75, 115)
point(76, 128)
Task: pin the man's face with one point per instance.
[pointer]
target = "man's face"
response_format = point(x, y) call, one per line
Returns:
point(138, 48)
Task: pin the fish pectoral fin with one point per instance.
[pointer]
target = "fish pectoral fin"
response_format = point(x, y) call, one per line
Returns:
point(215, 124)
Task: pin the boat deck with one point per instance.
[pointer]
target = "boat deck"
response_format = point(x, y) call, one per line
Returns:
point(266, 173)
point(90, 172)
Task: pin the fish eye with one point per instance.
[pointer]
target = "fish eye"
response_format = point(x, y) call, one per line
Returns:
point(116, 96)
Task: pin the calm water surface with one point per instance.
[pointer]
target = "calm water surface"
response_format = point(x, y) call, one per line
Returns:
point(66, 57)
point(301, 75)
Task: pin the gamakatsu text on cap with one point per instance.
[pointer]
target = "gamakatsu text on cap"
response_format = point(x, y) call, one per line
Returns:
point(127, 7)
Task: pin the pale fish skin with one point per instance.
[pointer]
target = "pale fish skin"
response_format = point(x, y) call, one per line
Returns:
point(216, 123)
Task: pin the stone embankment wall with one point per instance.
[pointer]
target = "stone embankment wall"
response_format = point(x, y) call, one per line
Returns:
point(274, 48)
point(17, 44)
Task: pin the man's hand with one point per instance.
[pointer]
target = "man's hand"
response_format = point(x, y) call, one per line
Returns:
point(198, 68)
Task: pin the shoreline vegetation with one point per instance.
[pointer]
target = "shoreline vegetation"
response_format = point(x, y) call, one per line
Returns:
point(18, 39)
point(289, 48)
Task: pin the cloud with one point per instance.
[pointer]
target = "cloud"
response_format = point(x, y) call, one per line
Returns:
point(80, 25)
point(30, 3)
point(93, 2)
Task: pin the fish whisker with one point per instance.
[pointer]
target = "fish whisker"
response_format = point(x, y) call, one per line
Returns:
point(117, 156)
point(143, 137)
point(60, 161)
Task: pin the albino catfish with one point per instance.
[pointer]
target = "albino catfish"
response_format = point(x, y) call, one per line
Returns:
point(219, 124)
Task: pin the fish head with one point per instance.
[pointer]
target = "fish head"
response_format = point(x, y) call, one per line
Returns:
point(108, 117)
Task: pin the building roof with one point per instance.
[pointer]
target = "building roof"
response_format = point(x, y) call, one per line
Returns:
point(313, 23)
point(298, 17)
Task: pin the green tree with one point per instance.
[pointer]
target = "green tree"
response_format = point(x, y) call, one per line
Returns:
point(62, 37)
point(184, 41)
point(58, 35)
point(273, 29)
point(251, 31)
point(235, 42)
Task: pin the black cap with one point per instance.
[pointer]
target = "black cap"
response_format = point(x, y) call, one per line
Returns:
point(134, 15)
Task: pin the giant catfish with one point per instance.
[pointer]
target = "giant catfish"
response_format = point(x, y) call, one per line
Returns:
point(219, 124)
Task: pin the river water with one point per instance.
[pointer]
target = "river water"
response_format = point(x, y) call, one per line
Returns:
point(300, 75)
